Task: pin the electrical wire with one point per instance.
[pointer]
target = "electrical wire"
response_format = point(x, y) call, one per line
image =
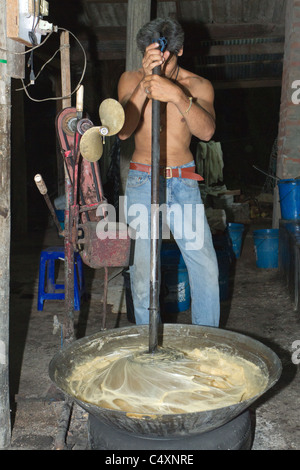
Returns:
point(43, 66)
point(31, 49)
point(36, 16)
point(35, 21)
point(33, 38)
point(24, 87)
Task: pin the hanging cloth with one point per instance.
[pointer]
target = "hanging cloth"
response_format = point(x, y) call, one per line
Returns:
point(209, 161)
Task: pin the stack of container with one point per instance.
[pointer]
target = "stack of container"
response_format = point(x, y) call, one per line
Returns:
point(289, 236)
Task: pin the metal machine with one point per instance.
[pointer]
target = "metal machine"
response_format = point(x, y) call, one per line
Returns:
point(81, 144)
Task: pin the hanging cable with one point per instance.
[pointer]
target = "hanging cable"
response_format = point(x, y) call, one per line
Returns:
point(32, 48)
point(30, 64)
point(24, 87)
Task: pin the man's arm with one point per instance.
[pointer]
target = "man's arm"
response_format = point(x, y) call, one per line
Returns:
point(132, 97)
point(200, 114)
point(131, 92)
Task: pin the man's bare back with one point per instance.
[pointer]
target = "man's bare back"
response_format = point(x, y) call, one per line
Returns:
point(186, 108)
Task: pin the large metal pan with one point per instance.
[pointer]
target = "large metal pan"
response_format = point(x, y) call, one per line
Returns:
point(173, 335)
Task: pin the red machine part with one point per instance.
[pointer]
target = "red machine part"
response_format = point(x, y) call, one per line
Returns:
point(84, 194)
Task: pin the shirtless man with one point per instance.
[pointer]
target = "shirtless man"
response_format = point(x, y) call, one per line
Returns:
point(186, 109)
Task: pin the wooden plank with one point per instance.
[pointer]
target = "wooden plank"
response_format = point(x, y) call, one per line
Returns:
point(18, 162)
point(108, 33)
point(200, 32)
point(13, 22)
point(243, 49)
point(12, 19)
point(209, 32)
point(236, 84)
point(5, 215)
point(116, 49)
point(65, 69)
point(239, 63)
point(126, 1)
point(15, 60)
point(106, 1)
point(137, 15)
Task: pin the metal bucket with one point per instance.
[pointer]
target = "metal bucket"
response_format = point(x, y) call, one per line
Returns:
point(173, 335)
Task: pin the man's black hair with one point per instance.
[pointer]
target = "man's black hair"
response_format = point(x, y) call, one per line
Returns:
point(164, 27)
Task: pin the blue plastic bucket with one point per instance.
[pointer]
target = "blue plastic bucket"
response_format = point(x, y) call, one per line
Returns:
point(289, 197)
point(176, 290)
point(236, 235)
point(176, 296)
point(293, 227)
point(266, 243)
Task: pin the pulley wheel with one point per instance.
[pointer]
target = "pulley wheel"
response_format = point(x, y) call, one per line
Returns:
point(91, 147)
point(69, 123)
point(83, 125)
point(112, 115)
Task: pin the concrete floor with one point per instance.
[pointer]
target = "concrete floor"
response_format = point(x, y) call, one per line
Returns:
point(259, 306)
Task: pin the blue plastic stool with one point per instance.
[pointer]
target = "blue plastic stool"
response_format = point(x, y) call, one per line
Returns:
point(47, 286)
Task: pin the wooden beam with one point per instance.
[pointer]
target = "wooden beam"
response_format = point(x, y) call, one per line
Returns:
point(238, 64)
point(242, 49)
point(200, 32)
point(114, 48)
point(125, 1)
point(137, 15)
point(65, 69)
point(109, 33)
point(261, 83)
point(106, 1)
point(5, 230)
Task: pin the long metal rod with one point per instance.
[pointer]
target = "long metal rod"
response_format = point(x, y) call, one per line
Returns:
point(154, 250)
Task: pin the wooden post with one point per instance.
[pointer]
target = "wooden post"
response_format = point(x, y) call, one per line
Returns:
point(18, 162)
point(5, 117)
point(288, 131)
point(63, 89)
point(4, 253)
point(65, 69)
point(138, 13)
point(68, 325)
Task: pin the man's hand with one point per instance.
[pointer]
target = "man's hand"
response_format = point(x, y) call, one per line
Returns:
point(155, 86)
point(161, 89)
point(153, 57)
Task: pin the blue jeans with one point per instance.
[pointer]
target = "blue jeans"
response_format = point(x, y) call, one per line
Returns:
point(193, 236)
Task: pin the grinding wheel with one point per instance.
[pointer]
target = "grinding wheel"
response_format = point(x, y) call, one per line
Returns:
point(69, 123)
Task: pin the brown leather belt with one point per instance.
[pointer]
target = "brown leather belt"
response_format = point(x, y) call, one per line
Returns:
point(169, 172)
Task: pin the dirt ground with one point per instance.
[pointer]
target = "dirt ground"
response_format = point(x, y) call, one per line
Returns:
point(259, 306)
